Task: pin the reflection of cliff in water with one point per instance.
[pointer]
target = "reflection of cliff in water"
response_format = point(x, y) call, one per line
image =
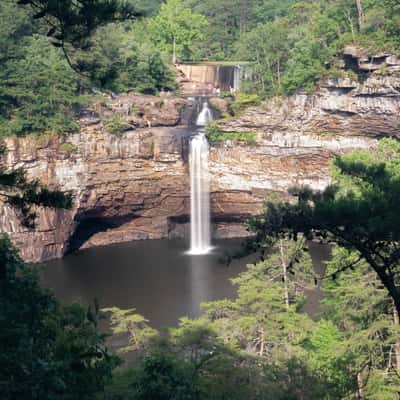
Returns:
point(205, 78)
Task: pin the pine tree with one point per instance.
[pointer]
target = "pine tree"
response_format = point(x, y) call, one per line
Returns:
point(265, 319)
point(360, 307)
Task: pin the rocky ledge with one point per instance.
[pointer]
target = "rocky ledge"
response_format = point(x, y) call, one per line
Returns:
point(340, 108)
point(134, 183)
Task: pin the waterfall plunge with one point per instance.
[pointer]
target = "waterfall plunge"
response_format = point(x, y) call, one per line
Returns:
point(205, 115)
point(200, 232)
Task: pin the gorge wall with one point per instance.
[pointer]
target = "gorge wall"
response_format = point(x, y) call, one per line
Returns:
point(134, 184)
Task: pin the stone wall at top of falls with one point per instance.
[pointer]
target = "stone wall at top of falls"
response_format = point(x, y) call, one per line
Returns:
point(204, 78)
point(135, 185)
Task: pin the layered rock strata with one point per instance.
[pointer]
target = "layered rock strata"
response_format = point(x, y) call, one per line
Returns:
point(135, 184)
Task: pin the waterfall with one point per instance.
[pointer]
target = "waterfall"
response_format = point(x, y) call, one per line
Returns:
point(237, 77)
point(205, 115)
point(200, 232)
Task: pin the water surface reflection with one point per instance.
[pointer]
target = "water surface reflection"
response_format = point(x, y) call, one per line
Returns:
point(157, 278)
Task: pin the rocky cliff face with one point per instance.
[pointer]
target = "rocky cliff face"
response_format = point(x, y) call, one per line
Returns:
point(135, 184)
point(126, 187)
point(299, 135)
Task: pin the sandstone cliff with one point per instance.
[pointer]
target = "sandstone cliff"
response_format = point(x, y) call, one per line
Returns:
point(135, 185)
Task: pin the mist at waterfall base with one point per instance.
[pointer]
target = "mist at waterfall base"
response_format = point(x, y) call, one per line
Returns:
point(200, 231)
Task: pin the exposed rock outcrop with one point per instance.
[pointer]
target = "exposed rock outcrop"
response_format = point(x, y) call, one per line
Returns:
point(341, 107)
point(130, 184)
point(137, 110)
point(360, 60)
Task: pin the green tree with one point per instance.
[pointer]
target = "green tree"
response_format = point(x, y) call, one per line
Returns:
point(47, 351)
point(265, 318)
point(176, 30)
point(266, 46)
point(304, 67)
point(327, 359)
point(366, 345)
point(192, 362)
point(39, 90)
point(123, 57)
point(133, 324)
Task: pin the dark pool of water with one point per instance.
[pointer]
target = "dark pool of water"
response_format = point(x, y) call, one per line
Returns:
point(157, 278)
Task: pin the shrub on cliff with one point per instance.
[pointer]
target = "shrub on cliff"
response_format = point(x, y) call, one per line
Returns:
point(244, 100)
point(215, 134)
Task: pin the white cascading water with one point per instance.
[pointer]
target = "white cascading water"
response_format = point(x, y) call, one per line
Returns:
point(237, 77)
point(205, 115)
point(200, 241)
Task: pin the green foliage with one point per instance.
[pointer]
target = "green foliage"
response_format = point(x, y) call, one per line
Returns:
point(193, 363)
point(71, 22)
point(38, 90)
point(47, 351)
point(326, 356)
point(123, 57)
point(163, 376)
point(41, 94)
point(230, 20)
point(177, 30)
point(22, 193)
point(360, 307)
point(69, 148)
point(135, 325)
point(290, 50)
point(264, 319)
point(244, 100)
point(267, 46)
point(215, 134)
point(303, 69)
point(117, 125)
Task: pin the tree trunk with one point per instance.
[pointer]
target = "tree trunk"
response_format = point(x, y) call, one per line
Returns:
point(360, 389)
point(385, 277)
point(262, 342)
point(284, 274)
point(174, 51)
point(360, 14)
point(397, 344)
point(278, 71)
point(350, 19)
point(259, 64)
